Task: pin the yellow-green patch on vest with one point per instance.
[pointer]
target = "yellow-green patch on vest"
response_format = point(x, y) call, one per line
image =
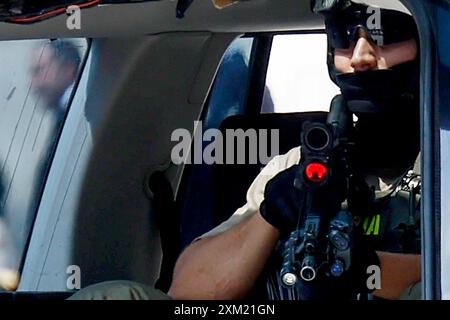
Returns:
point(371, 225)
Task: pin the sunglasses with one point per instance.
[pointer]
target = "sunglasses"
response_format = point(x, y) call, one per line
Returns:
point(383, 26)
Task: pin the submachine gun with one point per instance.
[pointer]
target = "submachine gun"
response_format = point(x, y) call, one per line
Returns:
point(332, 193)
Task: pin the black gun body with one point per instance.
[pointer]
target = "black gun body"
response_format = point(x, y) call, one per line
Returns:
point(322, 246)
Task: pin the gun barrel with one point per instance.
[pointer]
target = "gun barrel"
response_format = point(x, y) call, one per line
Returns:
point(317, 138)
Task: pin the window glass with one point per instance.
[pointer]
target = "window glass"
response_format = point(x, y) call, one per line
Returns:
point(38, 79)
point(229, 94)
point(297, 76)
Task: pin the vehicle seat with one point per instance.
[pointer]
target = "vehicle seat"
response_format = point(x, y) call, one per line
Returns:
point(231, 181)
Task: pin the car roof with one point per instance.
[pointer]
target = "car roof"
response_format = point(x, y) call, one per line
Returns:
point(159, 17)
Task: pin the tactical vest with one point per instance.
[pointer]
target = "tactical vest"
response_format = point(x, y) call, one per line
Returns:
point(393, 223)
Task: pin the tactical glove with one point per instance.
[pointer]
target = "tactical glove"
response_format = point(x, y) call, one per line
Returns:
point(282, 201)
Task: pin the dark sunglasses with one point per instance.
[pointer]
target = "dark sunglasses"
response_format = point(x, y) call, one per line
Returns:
point(383, 26)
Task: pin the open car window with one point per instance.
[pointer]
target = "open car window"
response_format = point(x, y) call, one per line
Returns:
point(297, 78)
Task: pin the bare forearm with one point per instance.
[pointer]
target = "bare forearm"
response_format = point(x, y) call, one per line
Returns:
point(398, 272)
point(225, 266)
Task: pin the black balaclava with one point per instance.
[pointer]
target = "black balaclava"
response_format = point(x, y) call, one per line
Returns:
point(386, 102)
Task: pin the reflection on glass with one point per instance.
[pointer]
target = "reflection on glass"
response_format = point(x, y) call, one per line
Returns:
point(229, 93)
point(38, 78)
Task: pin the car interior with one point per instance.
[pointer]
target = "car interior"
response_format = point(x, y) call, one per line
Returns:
point(112, 202)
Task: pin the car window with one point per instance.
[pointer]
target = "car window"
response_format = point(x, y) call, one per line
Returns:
point(297, 77)
point(38, 79)
point(229, 93)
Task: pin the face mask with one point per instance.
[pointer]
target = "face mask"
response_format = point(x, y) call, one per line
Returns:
point(381, 91)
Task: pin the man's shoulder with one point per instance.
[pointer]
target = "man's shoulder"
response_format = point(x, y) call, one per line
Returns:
point(255, 194)
point(282, 162)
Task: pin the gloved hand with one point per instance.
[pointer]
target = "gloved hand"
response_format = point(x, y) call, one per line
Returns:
point(282, 201)
point(281, 208)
